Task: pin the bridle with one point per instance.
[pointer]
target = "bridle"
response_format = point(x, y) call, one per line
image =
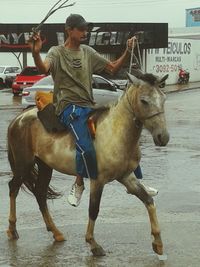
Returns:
point(154, 115)
point(139, 122)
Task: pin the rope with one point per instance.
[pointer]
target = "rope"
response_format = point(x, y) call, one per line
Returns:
point(131, 59)
point(139, 54)
point(139, 62)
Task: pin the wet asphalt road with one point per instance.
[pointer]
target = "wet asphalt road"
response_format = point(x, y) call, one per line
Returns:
point(122, 227)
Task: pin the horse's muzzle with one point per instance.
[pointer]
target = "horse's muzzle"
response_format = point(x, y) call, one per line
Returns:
point(161, 139)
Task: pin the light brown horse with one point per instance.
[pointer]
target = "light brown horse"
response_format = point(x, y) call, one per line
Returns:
point(33, 154)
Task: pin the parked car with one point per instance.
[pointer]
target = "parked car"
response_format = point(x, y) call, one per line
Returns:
point(122, 83)
point(26, 78)
point(104, 90)
point(7, 75)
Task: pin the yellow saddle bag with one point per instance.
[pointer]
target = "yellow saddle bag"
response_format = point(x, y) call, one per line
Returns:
point(42, 99)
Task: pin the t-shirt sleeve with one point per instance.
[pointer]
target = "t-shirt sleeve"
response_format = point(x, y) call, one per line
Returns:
point(98, 62)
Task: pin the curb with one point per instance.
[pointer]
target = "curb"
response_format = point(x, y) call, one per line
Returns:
point(176, 90)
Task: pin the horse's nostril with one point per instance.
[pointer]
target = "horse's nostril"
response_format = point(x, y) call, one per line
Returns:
point(162, 139)
point(159, 138)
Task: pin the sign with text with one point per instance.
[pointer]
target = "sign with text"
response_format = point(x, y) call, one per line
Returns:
point(182, 53)
point(104, 37)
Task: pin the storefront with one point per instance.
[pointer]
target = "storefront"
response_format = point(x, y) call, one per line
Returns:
point(183, 51)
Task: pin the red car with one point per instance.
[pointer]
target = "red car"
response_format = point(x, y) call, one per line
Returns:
point(26, 78)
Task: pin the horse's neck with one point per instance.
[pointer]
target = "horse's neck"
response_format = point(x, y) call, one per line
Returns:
point(124, 121)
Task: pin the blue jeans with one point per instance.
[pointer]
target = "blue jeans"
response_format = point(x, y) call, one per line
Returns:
point(75, 118)
point(138, 172)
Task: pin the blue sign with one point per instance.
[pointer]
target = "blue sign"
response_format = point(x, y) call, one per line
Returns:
point(193, 17)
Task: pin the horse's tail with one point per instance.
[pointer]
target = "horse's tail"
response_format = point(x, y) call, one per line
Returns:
point(10, 156)
point(28, 171)
point(32, 180)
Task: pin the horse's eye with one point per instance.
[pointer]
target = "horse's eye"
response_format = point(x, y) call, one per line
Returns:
point(144, 102)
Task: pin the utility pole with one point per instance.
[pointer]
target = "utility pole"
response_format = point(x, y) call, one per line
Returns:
point(24, 58)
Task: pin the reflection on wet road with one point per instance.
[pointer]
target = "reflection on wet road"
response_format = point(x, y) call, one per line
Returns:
point(122, 226)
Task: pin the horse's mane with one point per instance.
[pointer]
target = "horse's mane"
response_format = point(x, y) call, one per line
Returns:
point(149, 77)
point(146, 77)
point(99, 113)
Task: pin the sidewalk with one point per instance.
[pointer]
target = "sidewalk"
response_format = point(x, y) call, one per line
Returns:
point(168, 88)
point(181, 87)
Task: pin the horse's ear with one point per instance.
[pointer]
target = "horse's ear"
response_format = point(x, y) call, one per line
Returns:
point(161, 81)
point(164, 78)
point(132, 78)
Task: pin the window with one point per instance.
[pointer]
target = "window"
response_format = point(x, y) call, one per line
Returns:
point(1, 69)
point(45, 81)
point(102, 84)
point(15, 69)
point(30, 72)
point(8, 70)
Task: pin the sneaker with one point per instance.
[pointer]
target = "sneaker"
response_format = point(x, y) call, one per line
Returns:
point(150, 190)
point(75, 194)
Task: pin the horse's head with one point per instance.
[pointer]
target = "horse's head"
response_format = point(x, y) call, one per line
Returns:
point(147, 102)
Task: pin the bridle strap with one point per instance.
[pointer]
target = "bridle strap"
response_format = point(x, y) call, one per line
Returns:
point(129, 103)
point(153, 115)
point(138, 121)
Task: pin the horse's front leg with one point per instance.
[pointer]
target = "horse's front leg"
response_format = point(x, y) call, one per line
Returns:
point(135, 188)
point(96, 190)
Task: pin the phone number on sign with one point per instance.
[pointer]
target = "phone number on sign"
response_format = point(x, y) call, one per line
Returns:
point(166, 68)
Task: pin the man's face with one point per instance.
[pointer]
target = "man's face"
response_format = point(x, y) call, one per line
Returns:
point(78, 34)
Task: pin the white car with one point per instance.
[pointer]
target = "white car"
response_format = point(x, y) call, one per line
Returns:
point(104, 90)
point(8, 74)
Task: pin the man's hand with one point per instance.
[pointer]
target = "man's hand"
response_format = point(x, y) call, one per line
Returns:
point(35, 43)
point(131, 43)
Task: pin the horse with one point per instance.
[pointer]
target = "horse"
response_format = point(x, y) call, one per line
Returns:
point(34, 153)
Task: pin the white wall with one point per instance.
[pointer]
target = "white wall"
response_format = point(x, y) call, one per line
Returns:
point(9, 59)
point(180, 52)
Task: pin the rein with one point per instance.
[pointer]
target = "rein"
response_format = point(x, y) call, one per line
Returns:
point(138, 123)
point(129, 103)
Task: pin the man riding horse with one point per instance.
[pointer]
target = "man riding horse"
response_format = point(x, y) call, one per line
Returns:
point(71, 66)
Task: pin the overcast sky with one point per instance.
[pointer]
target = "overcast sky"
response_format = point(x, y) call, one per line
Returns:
point(168, 11)
point(33, 11)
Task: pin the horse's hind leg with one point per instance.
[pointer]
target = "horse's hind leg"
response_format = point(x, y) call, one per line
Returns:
point(135, 188)
point(41, 188)
point(95, 197)
point(14, 186)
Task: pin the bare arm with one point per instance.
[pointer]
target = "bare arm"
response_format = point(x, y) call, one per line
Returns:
point(114, 66)
point(35, 44)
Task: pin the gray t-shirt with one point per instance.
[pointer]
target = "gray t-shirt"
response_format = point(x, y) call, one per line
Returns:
point(72, 74)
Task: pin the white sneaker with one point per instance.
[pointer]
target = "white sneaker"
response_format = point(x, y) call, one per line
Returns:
point(150, 190)
point(75, 194)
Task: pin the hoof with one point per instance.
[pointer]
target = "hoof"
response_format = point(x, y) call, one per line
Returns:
point(157, 248)
point(12, 235)
point(98, 251)
point(59, 238)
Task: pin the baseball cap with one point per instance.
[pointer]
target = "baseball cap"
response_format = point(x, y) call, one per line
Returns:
point(77, 21)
